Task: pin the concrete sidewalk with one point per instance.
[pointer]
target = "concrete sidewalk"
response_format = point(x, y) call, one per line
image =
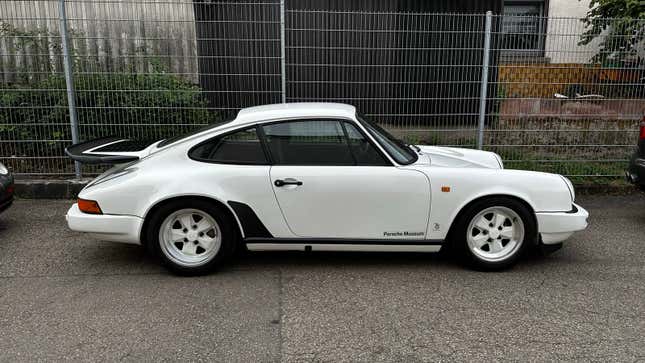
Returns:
point(64, 296)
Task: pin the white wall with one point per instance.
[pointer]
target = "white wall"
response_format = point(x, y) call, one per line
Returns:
point(568, 8)
point(563, 32)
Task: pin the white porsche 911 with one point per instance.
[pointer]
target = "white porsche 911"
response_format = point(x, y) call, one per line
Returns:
point(315, 176)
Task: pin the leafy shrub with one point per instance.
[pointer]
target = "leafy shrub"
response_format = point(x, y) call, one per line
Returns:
point(145, 106)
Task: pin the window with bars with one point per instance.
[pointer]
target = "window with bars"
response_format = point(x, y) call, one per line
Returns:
point(524, 28)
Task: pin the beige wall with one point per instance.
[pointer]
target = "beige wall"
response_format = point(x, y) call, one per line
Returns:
point(568, 8)
point(562, 27)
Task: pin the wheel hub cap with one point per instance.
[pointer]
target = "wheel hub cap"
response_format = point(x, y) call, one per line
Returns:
point(495, 234)
point(190, 237)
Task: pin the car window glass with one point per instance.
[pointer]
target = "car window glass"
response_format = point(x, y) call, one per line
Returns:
point(308, 142)
point(242, 147)
point(395, 147)
point(363, 150)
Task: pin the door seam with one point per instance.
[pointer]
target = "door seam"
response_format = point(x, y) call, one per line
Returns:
point(284, 218)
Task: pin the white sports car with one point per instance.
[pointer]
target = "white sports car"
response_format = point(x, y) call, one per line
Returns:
point(315, 176)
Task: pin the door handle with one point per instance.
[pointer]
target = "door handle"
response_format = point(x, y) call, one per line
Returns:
point(281, 183)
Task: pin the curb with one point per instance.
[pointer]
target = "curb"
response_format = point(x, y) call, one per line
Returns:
point(49, 189)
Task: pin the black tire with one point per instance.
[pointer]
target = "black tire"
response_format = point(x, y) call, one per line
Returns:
point(546, 250)
point(460, 229)
point(228, 230)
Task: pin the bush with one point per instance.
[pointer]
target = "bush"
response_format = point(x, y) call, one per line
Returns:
point(144, 106)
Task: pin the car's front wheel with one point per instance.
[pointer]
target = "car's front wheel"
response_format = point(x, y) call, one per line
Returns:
point(493, 233)
point(191, 237)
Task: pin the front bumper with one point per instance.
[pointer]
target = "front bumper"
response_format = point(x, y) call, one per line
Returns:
point(6, 193)
point(115, 228)
point(5, 204)
point(555, 227)
point(635, 174)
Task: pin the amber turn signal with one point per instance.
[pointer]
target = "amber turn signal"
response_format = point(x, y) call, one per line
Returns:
point(89, 206)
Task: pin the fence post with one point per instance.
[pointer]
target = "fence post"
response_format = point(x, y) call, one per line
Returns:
point(484, 81)
point(69, 79)
point(283, 64)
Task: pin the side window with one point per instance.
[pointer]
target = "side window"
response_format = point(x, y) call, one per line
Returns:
point(242, 147)
point(308, 142)
point(364, 152)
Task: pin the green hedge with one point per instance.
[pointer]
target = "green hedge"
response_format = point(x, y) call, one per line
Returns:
point(145, 106)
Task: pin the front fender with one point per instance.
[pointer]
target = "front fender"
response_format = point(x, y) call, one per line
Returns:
point(541, 191)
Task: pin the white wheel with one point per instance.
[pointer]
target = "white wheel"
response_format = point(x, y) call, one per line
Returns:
point(190, 237)
point(495, 234)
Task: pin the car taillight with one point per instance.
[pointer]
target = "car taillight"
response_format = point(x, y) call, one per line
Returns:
point(89, 206)
point(642, 137)
point(10, 190)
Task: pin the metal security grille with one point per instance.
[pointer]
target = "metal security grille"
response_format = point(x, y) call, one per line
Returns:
point(561, 105)
point(544, 93)
point(418, 74)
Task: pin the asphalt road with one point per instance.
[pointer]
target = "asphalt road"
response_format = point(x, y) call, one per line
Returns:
point(65, 296)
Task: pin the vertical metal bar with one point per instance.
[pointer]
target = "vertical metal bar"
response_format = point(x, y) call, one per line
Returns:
point(69, 79)
point(484, 81)
point(283, 65)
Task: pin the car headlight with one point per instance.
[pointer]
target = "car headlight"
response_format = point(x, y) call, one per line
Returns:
point(3, 169)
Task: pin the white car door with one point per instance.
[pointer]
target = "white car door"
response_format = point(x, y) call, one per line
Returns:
point(330, 182)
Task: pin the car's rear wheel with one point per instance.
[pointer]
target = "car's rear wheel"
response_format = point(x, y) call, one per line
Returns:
point(493, 233)
point(191, 237)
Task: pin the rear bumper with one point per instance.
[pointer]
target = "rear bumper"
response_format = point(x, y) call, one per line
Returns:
point(115, 228)
point(555, 227)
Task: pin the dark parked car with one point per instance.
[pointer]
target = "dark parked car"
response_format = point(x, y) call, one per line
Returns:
point(636, 172)
point(6, 188)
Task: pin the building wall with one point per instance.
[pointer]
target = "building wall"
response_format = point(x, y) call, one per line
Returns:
point(563, 28)
point(434, 57)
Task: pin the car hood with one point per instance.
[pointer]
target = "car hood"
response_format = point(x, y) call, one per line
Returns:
point(452, 157)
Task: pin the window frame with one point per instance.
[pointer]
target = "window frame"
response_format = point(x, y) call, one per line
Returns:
point(365, 123)
point(354, 124)
point(386, 161)
point(540, 51)
point(239, 162)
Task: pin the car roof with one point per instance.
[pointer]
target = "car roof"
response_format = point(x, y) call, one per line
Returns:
point(268, 113)
point(293, 110)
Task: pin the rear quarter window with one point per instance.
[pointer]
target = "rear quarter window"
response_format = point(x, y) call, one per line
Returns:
point(241, 147)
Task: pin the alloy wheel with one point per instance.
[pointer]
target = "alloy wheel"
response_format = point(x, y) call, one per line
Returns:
point(495, 234)
point(190, 237)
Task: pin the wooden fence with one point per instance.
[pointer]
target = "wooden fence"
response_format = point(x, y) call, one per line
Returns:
point(108, 36)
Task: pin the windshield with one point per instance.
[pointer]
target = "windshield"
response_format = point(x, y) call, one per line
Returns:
point(397, 149)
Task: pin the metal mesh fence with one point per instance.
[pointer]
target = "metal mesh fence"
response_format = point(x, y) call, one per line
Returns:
point(418, 74)
point(566, 101)
point(34, 127)
point(552, 94)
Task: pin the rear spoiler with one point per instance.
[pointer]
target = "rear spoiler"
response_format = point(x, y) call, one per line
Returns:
point(107, 150)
